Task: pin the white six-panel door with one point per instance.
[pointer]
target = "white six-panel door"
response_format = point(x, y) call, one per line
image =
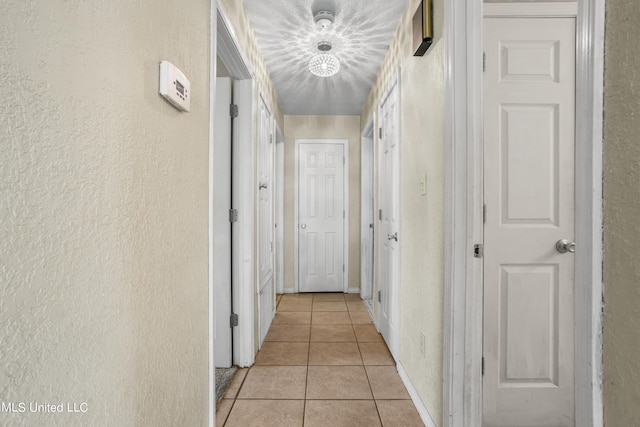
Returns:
point(266, 287)
point(321, 216)
point(389, 235)
point(529, 142)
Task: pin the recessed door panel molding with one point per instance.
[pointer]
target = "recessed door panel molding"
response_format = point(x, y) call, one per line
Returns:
point(530, 60)
point(529, 150)
point(529, 194)
point(528, 339)
point(320, 216)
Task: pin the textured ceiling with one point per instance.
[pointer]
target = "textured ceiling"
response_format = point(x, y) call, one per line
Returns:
point(288, 37)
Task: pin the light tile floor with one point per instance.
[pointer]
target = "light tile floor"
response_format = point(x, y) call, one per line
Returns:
point(322, 364)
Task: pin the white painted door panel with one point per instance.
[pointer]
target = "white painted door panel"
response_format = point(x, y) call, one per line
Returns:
point(221, 193)
point(266, 289)
point(321, 217)
point(389, 272)
point(529, 142)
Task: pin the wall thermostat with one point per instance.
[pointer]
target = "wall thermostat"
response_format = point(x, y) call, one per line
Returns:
point(174, 86)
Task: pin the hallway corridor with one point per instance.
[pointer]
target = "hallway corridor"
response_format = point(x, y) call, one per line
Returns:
point(322, 364)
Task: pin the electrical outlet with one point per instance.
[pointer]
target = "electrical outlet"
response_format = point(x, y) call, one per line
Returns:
point(422, 344)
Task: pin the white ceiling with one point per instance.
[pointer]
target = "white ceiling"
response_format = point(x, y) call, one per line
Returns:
point(288, 37)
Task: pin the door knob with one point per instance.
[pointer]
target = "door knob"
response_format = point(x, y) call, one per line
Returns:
point(563, 246)
point(393, 236)
point(303, 226)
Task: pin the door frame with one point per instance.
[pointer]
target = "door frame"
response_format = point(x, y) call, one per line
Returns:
point(367, 200)
point(224, 43)
point(463, 228)
point(394, 345)
point(296, 226)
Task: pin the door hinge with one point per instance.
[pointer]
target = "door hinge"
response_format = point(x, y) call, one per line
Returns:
point(344, 215)
point(343, 268)
point(483, 366)
point(380, 133)
point(380, 214)
point(344, 160)
point(484, 62)
point(484, 213)
point(234, 320)
point(233, 215)
point(380, 296)
point(233, 111)
point(478, 250)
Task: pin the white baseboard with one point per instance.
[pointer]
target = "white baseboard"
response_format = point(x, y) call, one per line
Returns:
point(289, 291)
point(422, 410)
point(354, 290)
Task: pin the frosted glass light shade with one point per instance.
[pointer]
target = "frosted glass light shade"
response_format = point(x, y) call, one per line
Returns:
point(324, 65)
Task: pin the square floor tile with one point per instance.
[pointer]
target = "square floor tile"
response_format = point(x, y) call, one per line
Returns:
point(292, 318)
point(235, 384)
point(386, 383)
point(332, 333)
point(356, 306)
point(222, 411)
point(352, 297)
point(399, 413)
point(302, 304)
point(328, 297)
point(376, 353)
point(345, 413)
point(334, 353)
point(330, 318)
point(367, 333)
point(274, 382)
point(329, 306)
point(266, 413)
point(283, 353)
point(337, 382)
point(288, 333)
point(360, 318)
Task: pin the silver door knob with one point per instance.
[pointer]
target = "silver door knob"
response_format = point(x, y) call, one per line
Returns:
point(563, 246)
point(303, 226)
point(393, 236)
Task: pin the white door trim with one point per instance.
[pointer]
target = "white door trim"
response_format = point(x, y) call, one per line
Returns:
point(463, 273)
point(345, 144)
point(463, 293)
point(225, 43)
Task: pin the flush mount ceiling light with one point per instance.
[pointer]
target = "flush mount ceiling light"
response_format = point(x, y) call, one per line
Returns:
point(324, 65)
point(323, 19)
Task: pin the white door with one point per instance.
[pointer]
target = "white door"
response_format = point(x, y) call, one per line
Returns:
point(389, 235)
point(366, 218)
point(279, 221)
point(266, 288)
point(321, 217)
point(221, 193)
point(529, 141)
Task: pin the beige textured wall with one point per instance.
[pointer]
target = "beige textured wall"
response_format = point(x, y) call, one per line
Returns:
point(422, 110)
point(103, 206)
point(318, 127)
point(622, 215)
